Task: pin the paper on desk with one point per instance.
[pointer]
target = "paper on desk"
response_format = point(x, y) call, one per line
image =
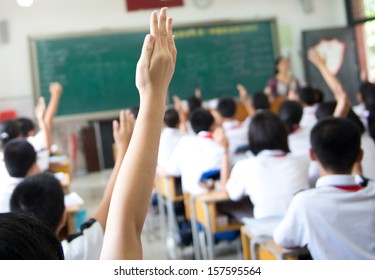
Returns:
point(262, 227)
point(73, 199)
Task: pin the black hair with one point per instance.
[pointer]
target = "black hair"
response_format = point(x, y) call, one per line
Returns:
point(326, 109)
point(135, 110)
point(194, 103)
point(260, 101)
point(25, 125)
point(19, 156)
point(22, 237)
point(171, 118)
point(307, 95)
point(319, 95)
point(290, 113)
point(227, 107)
point(201, 120)
point(267, 132)
point(9, 130)
point(42, 196)
point(364, 87)
point(336, 143)
point(369, 100)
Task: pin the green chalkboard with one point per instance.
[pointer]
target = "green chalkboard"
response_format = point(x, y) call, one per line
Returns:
point(97, 70)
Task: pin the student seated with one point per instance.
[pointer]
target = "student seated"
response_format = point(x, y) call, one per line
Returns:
point(196, 154)
point(42, 139)
point(22, 237)
point(336, 219)
point(360, 108)
point(307, 99)
point(234, 130)
point(170, 136)
point(273, 175)
point(42, 196)
point(290, 113)
point(20, 162)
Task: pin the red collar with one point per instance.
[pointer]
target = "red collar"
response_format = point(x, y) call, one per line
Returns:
point(350, 188)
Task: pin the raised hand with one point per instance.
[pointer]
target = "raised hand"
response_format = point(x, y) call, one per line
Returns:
point(123, 130)
point(314, 57)
point(156, 65)
point(55, 88)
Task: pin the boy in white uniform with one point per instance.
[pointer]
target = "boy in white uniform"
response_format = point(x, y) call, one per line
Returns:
point(336, 219)
point(196, 154)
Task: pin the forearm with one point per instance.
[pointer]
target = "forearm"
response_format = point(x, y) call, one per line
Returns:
point(225, 170)
point(51, 109)
point(132, 191)
point(332, 82)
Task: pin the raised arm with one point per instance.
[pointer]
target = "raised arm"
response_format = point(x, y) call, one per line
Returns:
point(333, 83)
point(134, 183)
point(55, 90)
point(122, 132)
point(244, 97)
point(40, 111)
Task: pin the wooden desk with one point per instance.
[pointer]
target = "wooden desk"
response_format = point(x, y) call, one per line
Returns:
point(204, 210)
point(266, 249)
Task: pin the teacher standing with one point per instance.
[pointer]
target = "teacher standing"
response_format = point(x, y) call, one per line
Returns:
point(282, 82)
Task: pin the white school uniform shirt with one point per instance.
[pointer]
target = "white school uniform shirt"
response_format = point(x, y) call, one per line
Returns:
point(236, 134)
point(368, 161)
point(299, 142)
point(7, 186)
point(270, 179)
point(334, 223)
point(308, 117)
point(169, 139)
point(40, 146)
point(86, 244)
point(361, 112)
point(193, 156)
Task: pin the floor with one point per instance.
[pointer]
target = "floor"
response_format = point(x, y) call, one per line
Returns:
point(155, 244)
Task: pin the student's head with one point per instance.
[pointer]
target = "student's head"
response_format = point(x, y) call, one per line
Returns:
point(194, 103)
point(26, 126)
point(365, 86)
point(9, 130)
point(171, 118)
point(260, 101)
point(336, 144)
point(307, 95)
point(326, 109)
point(41, 196)
point(201, 120)
point(22, 237)
point(19, 158)
point(267, 132)
point(226, 107)
point(290, 113)
point(319, 96)
point(369, 100)
point(282, 65)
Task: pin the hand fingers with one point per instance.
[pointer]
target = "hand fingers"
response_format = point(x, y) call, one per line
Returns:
point(154, 29)
point(115, 126)
point(163, 23)
point(147, 50)
point(122, 118)
point(171, 42)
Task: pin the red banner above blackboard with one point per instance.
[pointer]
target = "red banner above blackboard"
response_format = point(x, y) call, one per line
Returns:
point(133, 5)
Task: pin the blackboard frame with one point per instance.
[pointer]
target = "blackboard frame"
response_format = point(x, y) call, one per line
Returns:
point(103, 115)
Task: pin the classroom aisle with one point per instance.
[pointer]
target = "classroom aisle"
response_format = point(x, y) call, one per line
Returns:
point(91, 187)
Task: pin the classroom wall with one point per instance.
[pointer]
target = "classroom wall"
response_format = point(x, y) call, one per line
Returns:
point(64, 16)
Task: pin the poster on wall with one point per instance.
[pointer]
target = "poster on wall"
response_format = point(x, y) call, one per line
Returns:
point(133, 5)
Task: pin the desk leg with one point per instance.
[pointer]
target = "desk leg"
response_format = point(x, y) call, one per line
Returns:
point(162, 214)
point(245, 246)
point(209, 235)
point(194, 229)
point(172, 225)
